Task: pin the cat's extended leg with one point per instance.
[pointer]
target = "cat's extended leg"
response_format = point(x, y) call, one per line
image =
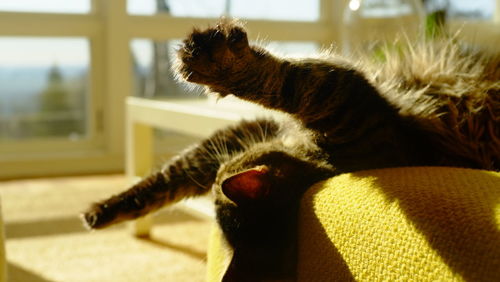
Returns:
point(318, 92)
point(190, 174)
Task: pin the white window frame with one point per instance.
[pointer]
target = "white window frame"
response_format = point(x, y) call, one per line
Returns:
point(110, 29)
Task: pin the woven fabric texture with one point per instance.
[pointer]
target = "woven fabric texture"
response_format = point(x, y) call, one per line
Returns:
point(401, 224)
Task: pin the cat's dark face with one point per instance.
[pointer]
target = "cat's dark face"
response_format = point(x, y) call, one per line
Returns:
point(268, 175)
point(257, 198)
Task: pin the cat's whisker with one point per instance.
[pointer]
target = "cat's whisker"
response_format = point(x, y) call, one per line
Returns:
point(195, 181)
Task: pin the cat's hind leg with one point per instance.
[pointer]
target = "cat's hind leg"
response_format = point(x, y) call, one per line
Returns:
point(164, 187)
point(190, 174)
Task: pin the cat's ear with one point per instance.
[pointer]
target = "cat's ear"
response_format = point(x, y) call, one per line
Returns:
point(248, 186)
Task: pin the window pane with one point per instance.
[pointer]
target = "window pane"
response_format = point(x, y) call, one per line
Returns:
point(153, 75)
point(293, 10)
point(179, 8)
point(463, 9)
point(477, 9)
point(294, 48)
point(48, 6)
point(43, 87)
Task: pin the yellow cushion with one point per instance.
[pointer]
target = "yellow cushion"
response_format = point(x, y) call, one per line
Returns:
point(418, 223)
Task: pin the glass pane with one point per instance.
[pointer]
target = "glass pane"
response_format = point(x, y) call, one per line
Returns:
point(477, 9)
point(43, 87)
point(48, 6)
point(153, 75)
point(293, 10)
point(299, 49)
point(463, 9)
point(179, 8)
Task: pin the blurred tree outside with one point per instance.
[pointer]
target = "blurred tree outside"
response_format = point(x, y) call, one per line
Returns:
point(435, 21)
point(61, 107)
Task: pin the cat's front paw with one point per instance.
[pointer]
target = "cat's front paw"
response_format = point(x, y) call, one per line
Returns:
point(215, 55)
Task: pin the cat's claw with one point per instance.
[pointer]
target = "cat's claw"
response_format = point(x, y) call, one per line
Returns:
point(209, 56)
point(89, 219)
point(94, 218)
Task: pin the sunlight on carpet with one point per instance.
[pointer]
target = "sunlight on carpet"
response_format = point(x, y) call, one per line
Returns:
point(46, 241)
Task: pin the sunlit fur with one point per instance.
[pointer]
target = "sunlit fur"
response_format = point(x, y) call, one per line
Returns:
point(451, 91)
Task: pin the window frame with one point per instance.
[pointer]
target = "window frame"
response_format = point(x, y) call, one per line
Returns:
point(56, 156)
point(93, 137)
point(110, 29)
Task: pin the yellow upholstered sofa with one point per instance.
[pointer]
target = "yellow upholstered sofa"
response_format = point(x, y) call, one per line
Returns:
point(401, 224)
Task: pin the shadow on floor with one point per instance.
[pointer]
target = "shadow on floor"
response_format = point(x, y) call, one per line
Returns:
point(174, 247)
point(73, 224)
point(16, 273)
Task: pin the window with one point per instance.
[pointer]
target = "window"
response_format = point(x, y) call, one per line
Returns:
point(179, 8)
point(464, 9)
point(152, 63)
point(291, 10)
point(66, 67)
point(43, 88)
point(294, 48)
point(46, 6)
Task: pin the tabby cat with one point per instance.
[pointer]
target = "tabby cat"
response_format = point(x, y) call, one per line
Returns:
point(432, 104)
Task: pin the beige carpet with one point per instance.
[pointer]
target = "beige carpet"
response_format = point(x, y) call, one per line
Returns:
point(46, 242)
